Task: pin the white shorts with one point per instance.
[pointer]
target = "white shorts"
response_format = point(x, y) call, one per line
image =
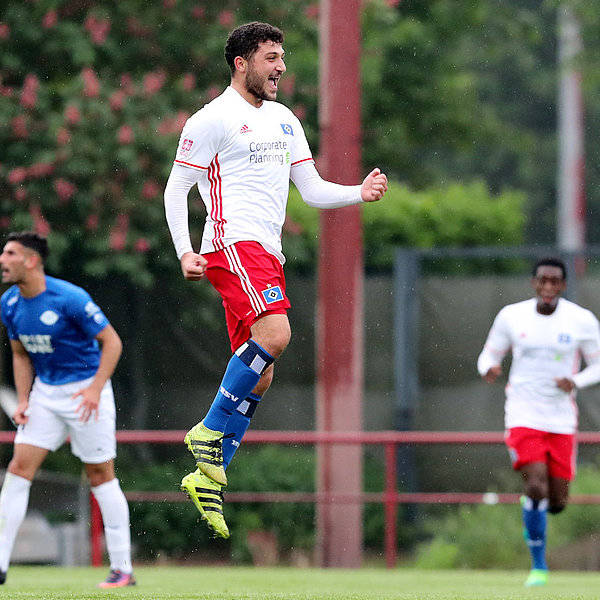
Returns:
point(52, 419)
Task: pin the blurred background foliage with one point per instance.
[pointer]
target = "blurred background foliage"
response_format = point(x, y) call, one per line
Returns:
point(431, 536)
point(457, 101)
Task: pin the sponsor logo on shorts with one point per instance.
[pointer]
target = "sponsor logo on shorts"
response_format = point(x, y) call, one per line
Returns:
point(287, 129)
point(272, 294)
point(48, 317)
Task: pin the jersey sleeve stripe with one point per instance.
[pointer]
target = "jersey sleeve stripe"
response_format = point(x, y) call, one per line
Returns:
point(298, 162)
point(187, 164)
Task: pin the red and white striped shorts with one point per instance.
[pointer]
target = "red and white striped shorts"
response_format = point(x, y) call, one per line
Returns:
point(251, 283)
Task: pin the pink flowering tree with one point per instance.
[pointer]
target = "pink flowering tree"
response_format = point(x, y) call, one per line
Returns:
point(93, 97)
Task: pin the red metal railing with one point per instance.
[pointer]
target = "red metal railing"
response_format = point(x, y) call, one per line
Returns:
point(389, 497)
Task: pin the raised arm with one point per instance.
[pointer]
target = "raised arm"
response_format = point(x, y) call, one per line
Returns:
point(319, 193)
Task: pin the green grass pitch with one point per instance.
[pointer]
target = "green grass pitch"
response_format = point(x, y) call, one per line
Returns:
point(247, 583)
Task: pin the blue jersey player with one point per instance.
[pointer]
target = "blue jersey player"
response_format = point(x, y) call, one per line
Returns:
point(64, 353)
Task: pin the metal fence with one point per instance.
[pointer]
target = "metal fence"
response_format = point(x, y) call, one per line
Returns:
point(389, 496)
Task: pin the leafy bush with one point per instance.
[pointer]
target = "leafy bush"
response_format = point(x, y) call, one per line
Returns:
point(476, 537)
point(271, 468)
point(173, 530)
point(578, 519)
point(485, 536)
point(454, 215)
point(439, 536)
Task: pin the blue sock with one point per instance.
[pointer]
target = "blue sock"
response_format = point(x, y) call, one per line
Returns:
point(238, 424)
point(243, 372)
point(534, 519)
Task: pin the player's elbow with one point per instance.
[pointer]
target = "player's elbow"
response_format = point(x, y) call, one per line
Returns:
point(111, 341)
point(311, 200)
point(117, 344)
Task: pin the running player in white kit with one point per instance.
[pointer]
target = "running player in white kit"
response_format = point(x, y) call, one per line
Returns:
point(241, 150)
point(62, 378)
point(547, 337)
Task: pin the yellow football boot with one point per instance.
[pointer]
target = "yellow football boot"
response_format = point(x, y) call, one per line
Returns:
point(206, 494)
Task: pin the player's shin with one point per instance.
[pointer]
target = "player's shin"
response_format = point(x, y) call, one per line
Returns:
point(14, 499)
point(115, 516)
point(534, 519)
point(237, 426)
point(241, 376)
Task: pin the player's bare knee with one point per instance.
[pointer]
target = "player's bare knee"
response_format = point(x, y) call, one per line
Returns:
point(281, 343)
point(280, 338)
point(557, 504)
point(21, 469)
point(277, 342)
point(99, 473)
point(536, 490)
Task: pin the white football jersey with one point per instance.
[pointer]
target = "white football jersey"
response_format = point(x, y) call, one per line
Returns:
point(244, 155)
point(543, 347)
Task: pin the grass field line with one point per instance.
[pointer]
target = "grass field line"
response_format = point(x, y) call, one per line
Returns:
point(252, 583)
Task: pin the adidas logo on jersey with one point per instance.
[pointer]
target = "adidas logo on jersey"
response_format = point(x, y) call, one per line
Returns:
point(245, 129)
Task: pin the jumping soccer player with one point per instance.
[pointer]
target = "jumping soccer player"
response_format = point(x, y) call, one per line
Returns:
point(241, 150)
point(62, 378)
point(546, 335)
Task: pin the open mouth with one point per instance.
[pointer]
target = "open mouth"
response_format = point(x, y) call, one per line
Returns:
point(274, 82)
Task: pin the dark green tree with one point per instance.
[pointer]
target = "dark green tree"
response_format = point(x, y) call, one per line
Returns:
point(470, 90)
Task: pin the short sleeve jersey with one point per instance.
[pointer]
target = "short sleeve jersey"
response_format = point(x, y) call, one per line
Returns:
point(243, 156)
point(57, 328)
point(543, 347)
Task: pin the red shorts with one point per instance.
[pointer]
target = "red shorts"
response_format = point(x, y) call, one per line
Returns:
point(557, 450)
point(251, 283)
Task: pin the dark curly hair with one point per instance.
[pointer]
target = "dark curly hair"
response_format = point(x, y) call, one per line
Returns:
point(245, 39)
point(550, 261)
point(32, 240)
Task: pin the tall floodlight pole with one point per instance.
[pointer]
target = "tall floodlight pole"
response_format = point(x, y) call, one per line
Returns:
point(339, 333)
point(571, 190)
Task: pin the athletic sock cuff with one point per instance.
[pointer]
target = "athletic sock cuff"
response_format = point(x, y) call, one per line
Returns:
point(104, 487)
point(248, 405)
point(255, 357)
